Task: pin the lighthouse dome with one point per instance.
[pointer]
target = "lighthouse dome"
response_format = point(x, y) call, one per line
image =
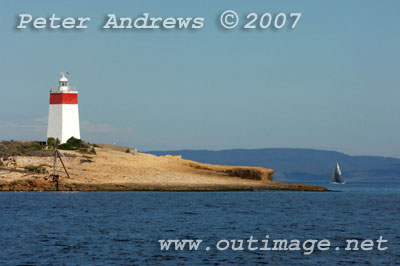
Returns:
point(63, 83)
point(63, 78)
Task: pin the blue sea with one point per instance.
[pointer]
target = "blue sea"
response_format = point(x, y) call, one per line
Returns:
point(123, 228)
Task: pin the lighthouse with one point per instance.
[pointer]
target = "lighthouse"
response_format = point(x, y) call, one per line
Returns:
point(63, 112)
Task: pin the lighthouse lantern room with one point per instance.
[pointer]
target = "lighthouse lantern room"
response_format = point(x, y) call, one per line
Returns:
point(63, 112)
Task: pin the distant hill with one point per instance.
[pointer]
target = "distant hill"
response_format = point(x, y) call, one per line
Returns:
point(300, 164)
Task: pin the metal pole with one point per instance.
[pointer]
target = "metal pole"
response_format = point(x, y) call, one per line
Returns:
point(55, 163)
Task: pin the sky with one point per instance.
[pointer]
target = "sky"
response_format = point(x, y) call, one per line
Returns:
point(331, 83)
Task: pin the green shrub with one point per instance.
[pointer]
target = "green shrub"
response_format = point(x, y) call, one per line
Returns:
point(65, 146)
point(22, 150)
point(35, 146)
point(52, 142)
point(74, 142)
point(71, 144)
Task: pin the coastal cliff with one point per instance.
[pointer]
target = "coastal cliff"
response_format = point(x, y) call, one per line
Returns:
point(111, 169)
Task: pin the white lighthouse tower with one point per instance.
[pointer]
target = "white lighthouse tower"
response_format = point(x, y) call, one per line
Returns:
point(63, 112)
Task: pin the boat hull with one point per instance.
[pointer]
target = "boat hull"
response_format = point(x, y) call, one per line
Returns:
point(338, 183)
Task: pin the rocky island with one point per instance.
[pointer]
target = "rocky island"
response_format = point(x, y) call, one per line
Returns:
point(27, 166)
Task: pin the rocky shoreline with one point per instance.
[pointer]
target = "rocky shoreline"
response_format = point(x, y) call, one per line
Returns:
point(33, 184)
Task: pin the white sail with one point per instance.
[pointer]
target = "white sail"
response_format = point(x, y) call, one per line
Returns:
point(337, 177)
point(338, 169)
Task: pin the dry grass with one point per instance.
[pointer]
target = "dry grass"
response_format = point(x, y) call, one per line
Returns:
point(23, 148)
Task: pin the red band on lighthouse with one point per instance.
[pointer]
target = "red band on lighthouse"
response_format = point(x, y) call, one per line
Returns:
point(63, 98)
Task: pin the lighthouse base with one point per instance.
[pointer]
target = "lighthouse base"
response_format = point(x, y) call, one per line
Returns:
point(63, 122)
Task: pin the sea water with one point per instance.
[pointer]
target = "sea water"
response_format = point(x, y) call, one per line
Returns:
point(124, 228)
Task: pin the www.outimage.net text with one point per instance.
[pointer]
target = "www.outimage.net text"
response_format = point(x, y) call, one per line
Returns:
point(307, 246)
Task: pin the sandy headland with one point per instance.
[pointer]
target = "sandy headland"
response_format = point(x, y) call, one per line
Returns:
point(113, 169)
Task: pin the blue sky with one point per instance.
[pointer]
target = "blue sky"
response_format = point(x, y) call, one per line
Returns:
point(332, 83)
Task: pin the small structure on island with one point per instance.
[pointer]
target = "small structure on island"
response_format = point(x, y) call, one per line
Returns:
point(63, 112)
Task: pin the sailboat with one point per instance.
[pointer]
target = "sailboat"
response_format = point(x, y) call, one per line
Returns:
point(337, 177)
